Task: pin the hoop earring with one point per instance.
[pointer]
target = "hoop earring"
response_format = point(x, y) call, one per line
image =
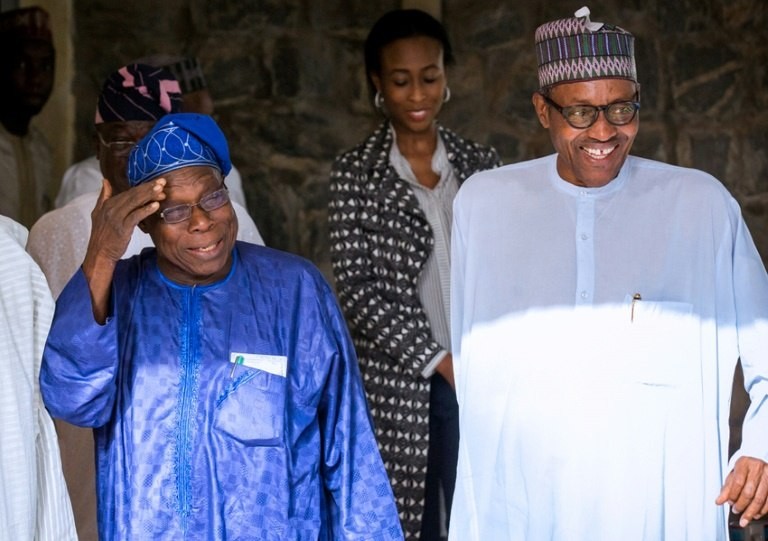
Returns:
point(378, 101)
point(447, 96)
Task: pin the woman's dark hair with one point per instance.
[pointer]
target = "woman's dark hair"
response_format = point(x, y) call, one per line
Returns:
point(399, 24)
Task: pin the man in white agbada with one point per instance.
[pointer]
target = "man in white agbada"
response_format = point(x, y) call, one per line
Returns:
point(600, 302)
point(34, 504)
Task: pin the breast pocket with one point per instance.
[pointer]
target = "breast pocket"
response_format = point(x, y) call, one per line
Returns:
point(252, 408)
point(663, 342)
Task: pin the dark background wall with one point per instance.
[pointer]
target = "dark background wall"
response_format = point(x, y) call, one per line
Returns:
point(290, 92)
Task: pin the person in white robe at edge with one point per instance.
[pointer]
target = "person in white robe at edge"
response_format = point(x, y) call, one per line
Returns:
point(131, 101)
point(34, 504)
point(85, 176)
point(600, 302)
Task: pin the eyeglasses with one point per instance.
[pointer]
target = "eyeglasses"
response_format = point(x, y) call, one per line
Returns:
point(583, 116)
point(181, 213)
point(118, 148)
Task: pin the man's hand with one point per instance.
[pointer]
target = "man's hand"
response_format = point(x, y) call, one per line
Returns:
point(746, 489)
point(445, 369)
point(116, 216)
point(112, 223)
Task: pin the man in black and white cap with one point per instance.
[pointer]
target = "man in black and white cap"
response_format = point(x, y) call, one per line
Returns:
point(85, 176)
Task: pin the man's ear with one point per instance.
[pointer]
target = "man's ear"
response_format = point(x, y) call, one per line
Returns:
point(542, 109)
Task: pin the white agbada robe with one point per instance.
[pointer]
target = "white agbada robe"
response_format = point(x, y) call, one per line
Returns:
point(585, 416)
point(34, 504)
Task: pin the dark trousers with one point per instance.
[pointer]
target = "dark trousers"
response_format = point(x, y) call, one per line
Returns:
point(442, 457)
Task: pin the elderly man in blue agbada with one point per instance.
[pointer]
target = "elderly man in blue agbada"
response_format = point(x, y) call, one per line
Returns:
point(218, 375)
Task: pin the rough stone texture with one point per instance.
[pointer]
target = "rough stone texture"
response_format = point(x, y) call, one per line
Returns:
point(290, 91)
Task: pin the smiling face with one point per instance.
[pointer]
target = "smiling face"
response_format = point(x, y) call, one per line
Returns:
point(592, 156)
point(197, 251)
point(412, 82)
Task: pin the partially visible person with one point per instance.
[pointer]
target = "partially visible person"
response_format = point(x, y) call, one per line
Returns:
point(188, 71)
point(390, 216)
point(218, 375)
point(132, 99)
point(600, 302)
point(85, 176)
point(26, 80)
point(34, 504)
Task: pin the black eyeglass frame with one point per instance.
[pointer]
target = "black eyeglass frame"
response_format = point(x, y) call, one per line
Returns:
point(635, 103)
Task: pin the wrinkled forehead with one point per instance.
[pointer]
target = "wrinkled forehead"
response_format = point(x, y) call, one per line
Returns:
point(194, 179)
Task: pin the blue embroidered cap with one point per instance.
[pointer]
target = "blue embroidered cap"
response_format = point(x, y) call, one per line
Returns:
point(176, 141)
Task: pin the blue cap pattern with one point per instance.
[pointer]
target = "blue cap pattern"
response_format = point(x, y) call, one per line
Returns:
point(176, 141)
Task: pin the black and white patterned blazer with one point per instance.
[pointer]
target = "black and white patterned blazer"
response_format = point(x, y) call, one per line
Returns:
point(380, 241)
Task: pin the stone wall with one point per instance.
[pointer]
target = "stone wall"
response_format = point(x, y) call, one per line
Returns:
point(290, 90)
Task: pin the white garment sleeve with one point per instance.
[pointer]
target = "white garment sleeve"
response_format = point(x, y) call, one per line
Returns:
point(247, 230)
point(35, 501)
point(431, 367)
point(234, 184)
point(57, 243)
point(79, 178)
point(751, 295)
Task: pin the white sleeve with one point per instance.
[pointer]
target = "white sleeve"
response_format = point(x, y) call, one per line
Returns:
point(234, 184)
point(36, 503)
point(247, 230)
point(750, 284)
point(79, 178)
point(57, 243)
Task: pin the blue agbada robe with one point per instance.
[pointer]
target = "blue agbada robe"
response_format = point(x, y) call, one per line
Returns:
point(191, 445)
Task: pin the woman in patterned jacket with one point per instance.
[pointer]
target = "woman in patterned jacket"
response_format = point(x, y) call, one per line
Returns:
point(390, 221)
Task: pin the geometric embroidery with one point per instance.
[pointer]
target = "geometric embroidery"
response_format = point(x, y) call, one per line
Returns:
point(575, 49)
